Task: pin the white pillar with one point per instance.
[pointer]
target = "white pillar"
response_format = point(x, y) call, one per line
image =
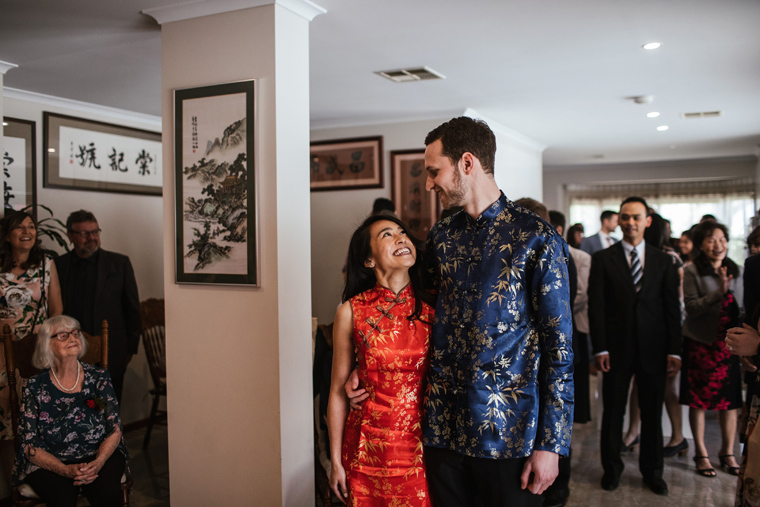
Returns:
point(239, 358)
point(4, 67)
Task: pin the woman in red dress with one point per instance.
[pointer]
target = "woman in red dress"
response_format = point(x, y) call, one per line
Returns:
point(384, 327)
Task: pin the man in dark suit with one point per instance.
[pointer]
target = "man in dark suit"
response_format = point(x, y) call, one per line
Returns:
point(98, 285)
point(602, 239)
point(634, 317)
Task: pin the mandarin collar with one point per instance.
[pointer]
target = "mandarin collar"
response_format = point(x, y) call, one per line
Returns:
point(386, 291)
point(491, 212)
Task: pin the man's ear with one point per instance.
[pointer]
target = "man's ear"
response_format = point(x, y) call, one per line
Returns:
point(649, 221)
point(468, 161)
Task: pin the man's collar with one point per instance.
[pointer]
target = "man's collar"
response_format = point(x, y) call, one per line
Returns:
point(629, 247)
point(92, 259)
point(492, 211)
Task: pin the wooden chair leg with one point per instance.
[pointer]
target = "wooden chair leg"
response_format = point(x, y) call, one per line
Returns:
point(151, 420)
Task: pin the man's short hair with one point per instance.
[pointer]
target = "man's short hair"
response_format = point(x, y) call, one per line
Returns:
point(382, 204)
point(606, 215)
point(557, 219)
point(635, 199)
point(533, 205)
point(708, 218)
point(461, 135)
point(78, 217)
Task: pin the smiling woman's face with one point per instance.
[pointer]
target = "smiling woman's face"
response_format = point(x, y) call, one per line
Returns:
point(391, 247)
point(70, 345)
point(23, 236)
point(714, 246)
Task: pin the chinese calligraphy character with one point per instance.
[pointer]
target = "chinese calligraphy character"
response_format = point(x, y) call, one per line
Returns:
point(195, 133)
point(116, 163)
point(87, 155)
point(7, 195)
point(143, 159)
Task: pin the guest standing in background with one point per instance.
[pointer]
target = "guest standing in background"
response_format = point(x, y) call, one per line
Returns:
point(575, 235)
point(602, 239)
point(686, 246)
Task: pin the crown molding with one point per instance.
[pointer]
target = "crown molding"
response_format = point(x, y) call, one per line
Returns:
point(200, 8)
point(149, 121)
point(6, 66)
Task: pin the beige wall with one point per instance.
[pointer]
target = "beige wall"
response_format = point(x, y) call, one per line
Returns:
point(131, 223)
point(238, 358)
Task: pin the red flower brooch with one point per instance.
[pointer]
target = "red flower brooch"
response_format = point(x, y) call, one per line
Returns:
point(97, 404)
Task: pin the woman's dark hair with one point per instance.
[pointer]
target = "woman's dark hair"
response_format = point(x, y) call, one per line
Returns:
point(754, 237)
point(689, 233)
point(360, 278)
point(10, 221)
point(571, 235)
point(704, 268)
point(657, 232)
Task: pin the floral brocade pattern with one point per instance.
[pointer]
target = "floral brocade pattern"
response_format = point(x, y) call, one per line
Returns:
point(20, 299)
point(382, 447)
point(72, 426)
point(500, 383)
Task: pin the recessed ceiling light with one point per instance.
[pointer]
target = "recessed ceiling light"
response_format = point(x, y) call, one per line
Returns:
point(663, 128)
point(651, 45)
point(653, 114)
point(51, 150)
point(5, 124)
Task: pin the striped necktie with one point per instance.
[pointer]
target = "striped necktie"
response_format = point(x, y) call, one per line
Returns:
point(636, 270)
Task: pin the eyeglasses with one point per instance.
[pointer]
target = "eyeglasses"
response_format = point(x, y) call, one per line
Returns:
point(84, 234)
point(64, 335)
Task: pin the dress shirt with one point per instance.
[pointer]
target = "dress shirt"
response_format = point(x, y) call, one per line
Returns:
point(500, 382)
point(606, 240)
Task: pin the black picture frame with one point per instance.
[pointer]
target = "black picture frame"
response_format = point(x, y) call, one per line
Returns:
point(60, 164)
point(346, 164)
point(26, 131)
point(216, 218)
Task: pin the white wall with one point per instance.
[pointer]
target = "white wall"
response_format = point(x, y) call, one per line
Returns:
point(131, 223)
point(336, 214)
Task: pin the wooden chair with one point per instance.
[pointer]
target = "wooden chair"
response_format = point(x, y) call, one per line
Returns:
point(154, 341)
point(18, 356)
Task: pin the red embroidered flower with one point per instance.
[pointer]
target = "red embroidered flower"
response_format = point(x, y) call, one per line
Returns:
point(97, 404)
point(91, 403)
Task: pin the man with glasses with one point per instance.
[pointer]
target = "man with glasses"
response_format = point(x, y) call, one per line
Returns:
point(96, 285)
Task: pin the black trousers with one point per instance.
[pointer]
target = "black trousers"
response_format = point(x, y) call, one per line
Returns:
point(615, 398)
point(59, 491)
point(456, 480)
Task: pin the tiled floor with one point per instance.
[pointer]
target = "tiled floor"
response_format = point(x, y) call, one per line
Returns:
point(150, 468)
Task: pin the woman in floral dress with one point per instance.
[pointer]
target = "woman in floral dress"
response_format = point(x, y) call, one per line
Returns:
point(384, 326)
point(70, 434)
point(29, 294)
point(711, 374)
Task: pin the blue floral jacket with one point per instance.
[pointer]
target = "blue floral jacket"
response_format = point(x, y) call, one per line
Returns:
point(71, 427)
point(500, 383)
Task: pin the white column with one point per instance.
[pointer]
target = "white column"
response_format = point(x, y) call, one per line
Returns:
point(239, 358)
point(4, 67)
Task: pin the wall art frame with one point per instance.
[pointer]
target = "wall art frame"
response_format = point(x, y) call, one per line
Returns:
point(417, 207)
point(216, 218)
point(20, 164)
point(347, 164)
point(83, 154)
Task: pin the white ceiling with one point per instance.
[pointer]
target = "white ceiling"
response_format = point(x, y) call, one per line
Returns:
point(557, 71)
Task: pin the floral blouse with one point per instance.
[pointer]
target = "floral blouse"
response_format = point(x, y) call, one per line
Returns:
point(21, 298)
point(71, 427)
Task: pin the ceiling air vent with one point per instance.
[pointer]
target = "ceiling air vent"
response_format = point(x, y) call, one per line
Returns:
point(409, 75)
point(705, 114)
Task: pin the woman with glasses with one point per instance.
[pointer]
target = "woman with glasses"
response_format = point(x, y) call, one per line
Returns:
point(29, 294)
point(70, 434)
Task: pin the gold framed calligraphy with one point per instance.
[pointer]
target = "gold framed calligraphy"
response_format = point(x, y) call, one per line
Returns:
point(347, 164)
point(84, 154)
point(417, 207)
point(19, 164)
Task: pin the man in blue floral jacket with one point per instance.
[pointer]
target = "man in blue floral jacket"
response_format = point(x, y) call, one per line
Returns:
point(499, 400)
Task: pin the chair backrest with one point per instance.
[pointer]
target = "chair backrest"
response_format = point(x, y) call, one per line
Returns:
point(18, 356)
point(154, 337)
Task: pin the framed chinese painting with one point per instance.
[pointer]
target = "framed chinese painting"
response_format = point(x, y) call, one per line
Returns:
point(19, 164)
point(417, 207)
point(347, 164)
point(215, 184)
point(83, 154)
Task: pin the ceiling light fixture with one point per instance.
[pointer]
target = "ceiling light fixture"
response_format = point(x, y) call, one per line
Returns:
point(651, 45)
point(653, 114)
point(5, 124)
point(663, 128)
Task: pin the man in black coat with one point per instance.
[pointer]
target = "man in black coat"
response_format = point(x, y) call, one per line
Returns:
point(97, 285)
point(634, 319)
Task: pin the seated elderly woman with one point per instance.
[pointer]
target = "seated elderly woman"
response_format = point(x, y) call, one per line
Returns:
point(70, 434)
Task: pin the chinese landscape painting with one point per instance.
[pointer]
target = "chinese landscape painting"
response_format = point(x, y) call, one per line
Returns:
point(215, 185)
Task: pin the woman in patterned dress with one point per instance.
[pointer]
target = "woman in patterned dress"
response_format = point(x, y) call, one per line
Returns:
point(384, 326)
point(29, 294)
point(711, 375)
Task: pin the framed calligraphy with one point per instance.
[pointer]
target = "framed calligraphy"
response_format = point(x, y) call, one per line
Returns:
point(215, 185)
point(19, 164)
point(347, 164)
point(417, 207)
point(84, 154)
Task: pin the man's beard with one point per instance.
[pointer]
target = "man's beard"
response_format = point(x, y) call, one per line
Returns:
point(454, 197)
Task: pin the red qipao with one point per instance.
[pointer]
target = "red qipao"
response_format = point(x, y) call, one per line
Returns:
point(382, 445)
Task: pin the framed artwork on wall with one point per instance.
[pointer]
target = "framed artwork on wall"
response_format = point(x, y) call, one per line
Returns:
point(19, 164)
point(82, 154)
point(417, 207)
point(215, 185)
point(347, 164)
